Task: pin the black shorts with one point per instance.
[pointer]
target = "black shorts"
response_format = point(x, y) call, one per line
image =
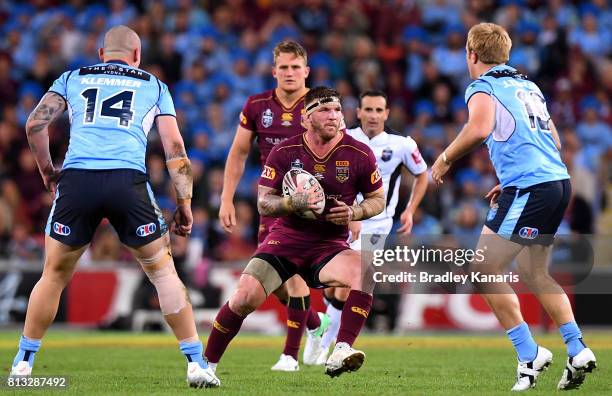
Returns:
point(123, 196)
point(531, 215)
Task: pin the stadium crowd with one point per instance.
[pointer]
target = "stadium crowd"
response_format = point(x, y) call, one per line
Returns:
point(214, 54)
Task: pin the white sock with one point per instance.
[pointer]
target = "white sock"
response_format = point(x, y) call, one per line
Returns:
point(213, 366)
point(332, 332)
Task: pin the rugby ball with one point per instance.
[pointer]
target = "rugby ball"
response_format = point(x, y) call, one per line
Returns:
point(298, 180)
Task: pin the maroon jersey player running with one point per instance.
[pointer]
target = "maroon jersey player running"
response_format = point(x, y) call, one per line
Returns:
point(271, 117)
point(315, 249)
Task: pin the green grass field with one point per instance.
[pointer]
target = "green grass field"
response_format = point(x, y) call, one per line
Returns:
point(138, 364)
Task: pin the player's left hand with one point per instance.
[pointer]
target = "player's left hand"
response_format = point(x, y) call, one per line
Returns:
point(340, 214)
point(439, 169)
point(406, 220)
point(182, 220)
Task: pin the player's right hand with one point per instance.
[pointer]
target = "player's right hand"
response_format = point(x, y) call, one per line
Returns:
point(302, 200)
point(354, 230)
point(182, 220)
point(50, 176)
point(227, 215)
point(493, 195)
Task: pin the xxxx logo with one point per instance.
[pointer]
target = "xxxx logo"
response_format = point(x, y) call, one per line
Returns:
point(360, 311)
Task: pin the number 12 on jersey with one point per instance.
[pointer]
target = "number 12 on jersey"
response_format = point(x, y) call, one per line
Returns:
point(116, 106)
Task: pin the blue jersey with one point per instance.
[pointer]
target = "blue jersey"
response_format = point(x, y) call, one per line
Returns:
point(111, 107)
point(521, 144)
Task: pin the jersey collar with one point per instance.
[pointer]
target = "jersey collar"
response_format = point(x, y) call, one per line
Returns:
point(117, 61)
point(381, 137)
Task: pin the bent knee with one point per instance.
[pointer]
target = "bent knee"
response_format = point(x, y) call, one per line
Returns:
point(247, 299)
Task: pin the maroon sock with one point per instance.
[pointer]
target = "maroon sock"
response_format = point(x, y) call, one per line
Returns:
point(225, 327)
point(354, 314)
point(297, 311)
point(313, 320)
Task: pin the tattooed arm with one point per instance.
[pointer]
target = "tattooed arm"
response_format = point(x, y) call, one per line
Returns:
point(179, 168)
point(270, 203)
point(50, 107)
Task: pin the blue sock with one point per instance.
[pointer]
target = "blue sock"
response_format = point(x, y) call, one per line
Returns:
point(27, 349)
point(572, 337)
point(193, 352)
point(526, 347)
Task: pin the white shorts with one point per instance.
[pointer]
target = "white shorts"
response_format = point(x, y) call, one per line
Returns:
point(377, 232)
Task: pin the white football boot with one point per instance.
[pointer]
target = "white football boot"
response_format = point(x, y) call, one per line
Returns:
point(343, 359)
point(576, 369)
point(199, 377)
point(23, 368)
point(286, 363)
point(527, 372)
point(314, 338)
point(322, 357)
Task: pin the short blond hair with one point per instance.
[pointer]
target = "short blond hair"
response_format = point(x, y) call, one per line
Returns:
point(290, 47)
point(490, 42)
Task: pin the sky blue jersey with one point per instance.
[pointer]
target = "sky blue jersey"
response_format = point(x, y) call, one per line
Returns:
point(521, 144)
point(111, 107)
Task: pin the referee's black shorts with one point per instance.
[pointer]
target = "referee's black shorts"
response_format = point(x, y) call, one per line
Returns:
point(123, 196)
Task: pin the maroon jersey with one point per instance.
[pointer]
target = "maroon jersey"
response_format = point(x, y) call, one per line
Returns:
point(272, 123)
point(348, 169)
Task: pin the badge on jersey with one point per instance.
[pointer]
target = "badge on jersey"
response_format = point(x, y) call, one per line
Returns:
point(416, 156)
point(342, 171)
point(266, 118)
point(297, 164)
point(386, 154)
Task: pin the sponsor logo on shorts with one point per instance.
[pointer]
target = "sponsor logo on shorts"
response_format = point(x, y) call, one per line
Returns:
point(218, 326)
point(528, 233)
point(360, 311)
point(492, 213)
point(292, 324)
point(146, 229)
point(375, 176)
point(61, 229)
point(273, 242)
point(268, 173)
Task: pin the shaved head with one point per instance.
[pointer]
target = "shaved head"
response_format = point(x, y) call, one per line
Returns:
point(121, 43)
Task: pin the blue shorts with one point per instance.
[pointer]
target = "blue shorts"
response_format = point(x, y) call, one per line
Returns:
point(123, 196)
point(531, 215)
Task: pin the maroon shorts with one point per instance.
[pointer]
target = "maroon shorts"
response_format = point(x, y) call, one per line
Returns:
point(290, 256)
point(265, 225)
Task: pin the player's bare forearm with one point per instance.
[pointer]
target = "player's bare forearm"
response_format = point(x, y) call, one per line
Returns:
point(236, 159)
point(480, 124)
point(177, 162)
point(468, 139)
point(181, 175)
point(270, 204)
point(49, 108)
point(419, 187)
point(373, 203)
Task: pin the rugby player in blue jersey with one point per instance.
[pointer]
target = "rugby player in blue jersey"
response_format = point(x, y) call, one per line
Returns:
point(508, 113)
point(112, 107)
